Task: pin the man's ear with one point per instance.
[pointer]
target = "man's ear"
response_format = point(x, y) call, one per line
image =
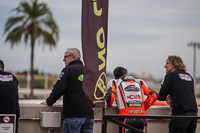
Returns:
point(74, 58)
point(126, 74)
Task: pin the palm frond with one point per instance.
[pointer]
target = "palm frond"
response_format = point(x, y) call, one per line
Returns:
point(15, 35)
point(23, 7)
point(35, 19)
point(12, 21)
point(50, 23)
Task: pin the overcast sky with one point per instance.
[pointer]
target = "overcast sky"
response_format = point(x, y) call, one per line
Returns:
point(141, 35)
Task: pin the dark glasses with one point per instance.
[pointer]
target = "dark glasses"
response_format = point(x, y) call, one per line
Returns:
point(67, 56)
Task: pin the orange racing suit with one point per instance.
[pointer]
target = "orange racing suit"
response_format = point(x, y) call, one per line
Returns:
point(129, 95)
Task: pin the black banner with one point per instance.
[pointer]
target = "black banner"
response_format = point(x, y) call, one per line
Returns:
point(94, 46)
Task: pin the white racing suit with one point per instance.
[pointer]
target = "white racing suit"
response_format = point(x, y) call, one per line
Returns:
point(129, 95)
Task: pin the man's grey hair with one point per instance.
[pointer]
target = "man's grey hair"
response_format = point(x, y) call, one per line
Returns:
point(1, 65)
point(75, 52)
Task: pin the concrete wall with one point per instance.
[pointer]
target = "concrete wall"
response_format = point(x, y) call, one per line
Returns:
point(28, 111)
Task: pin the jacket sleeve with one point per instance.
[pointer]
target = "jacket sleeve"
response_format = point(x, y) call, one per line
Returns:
point(17, 108)
point(164, 90)
point(151, 95)
point(110, 95)
point(58, 88)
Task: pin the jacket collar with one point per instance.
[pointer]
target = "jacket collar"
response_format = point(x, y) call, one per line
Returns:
point(76, 62)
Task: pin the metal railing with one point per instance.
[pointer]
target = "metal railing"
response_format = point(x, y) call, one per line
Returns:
point(115, 119)
point(33, 119)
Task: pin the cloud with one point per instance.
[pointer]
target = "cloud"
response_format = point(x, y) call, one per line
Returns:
point(141, 35)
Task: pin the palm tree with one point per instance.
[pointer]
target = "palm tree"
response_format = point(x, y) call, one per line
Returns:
point(33, 22)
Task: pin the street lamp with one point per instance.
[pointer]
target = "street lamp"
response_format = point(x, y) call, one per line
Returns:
point(195, 45)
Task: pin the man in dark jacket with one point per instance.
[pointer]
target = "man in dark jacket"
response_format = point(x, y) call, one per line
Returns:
point(9, 103)
point(178, 90)
point(77, 113)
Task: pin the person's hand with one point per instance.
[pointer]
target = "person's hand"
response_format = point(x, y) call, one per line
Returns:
point(168, 100)
point(44, 103)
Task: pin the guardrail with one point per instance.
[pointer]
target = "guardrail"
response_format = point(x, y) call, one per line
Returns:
point(115, 119)
point(34, 119)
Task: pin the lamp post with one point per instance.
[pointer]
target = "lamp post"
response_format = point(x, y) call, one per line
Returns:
point(195, 45)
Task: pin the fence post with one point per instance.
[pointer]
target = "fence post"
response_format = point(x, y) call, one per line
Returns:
point(104, 122)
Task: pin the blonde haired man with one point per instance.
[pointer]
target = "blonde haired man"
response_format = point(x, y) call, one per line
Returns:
point(178, 90)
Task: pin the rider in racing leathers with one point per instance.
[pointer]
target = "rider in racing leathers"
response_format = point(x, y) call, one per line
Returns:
point(129, 95)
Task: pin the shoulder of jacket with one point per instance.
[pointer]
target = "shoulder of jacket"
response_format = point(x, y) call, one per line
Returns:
point(7, 73)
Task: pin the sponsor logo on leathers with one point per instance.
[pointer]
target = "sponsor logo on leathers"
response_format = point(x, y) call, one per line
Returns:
point(131, 88)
